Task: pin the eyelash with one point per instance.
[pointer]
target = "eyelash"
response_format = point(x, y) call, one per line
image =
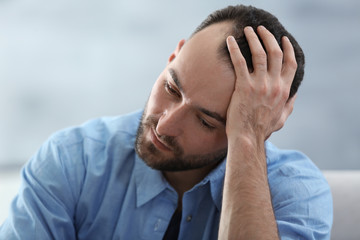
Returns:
point(172, 91)
point(205, 125)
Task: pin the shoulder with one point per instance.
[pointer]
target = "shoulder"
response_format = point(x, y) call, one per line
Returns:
point(292, 166)
point(95, 143)
point(289, 163)
point(70, 178)
point(99, 129)
point(300, 194)
point(78, 150)
point(93, 136)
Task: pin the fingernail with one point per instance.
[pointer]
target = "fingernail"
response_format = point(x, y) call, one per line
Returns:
point(262, 27)
point(231, 38)
point(249, 28)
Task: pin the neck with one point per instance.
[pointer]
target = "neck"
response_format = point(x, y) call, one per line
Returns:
point(183, 181)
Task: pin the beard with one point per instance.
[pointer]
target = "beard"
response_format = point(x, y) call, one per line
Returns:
point(179, 161)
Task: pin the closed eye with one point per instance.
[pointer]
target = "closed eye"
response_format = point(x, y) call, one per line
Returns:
point(171, 90)
point(205, 124)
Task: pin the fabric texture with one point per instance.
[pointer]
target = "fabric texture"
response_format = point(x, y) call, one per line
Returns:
point(87, 182)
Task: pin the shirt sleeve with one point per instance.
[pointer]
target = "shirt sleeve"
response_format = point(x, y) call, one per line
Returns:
point(44, 206)
point(302, 200)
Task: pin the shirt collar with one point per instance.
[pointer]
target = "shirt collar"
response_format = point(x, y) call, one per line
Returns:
point(150, 183)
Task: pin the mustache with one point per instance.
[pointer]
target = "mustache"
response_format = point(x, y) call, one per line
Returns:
point(152, 122)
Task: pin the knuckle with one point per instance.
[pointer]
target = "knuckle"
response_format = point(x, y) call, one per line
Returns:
point(276, 90)
point(285, 94)
point(260, 56)
point(239, 61)
point(263, 89)
point(276, 53)
point(260, 66)
point(293, 64)
point(233, 48)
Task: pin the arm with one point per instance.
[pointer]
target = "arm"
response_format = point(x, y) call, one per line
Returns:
point(258, 107)
point(43, 208)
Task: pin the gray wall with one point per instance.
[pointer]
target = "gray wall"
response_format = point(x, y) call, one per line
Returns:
point(63, 62)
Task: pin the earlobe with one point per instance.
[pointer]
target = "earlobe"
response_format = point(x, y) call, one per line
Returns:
point(177, 50)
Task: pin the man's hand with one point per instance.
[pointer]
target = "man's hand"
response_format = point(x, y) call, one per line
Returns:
point(259, 105)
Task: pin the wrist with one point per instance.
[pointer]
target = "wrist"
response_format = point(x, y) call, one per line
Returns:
point(247, 152)
point(246, 138)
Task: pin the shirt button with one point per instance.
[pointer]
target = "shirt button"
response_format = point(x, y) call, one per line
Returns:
point(157, 225)
point(188, 218)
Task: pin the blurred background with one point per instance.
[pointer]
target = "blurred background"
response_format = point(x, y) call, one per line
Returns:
point(64, 62)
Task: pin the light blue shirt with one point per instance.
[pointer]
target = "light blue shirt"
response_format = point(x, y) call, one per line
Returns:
point(88, 183)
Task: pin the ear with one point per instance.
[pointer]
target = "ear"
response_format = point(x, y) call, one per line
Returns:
point(177, 50)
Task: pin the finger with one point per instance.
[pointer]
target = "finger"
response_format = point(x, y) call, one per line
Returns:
point(237, 58)
point(273, 51)
point(289, 65)
point(258, 53)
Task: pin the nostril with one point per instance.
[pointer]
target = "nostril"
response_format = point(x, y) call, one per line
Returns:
point(156, 133)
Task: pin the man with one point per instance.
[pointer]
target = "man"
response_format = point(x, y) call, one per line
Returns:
point(195, 164)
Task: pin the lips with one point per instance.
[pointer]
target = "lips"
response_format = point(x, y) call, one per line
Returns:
point(157, 142)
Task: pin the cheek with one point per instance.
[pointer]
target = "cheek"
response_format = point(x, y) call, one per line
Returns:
point(202, 142)
point(155, 102)
point(219, 141)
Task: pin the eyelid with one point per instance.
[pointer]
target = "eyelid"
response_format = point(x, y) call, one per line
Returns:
point(171, 88)
point(205, 123)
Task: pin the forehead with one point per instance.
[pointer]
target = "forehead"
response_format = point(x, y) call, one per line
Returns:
point(206, 78)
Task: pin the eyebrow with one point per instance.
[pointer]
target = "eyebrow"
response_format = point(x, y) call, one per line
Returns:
point(207, 112)
point(175, 78)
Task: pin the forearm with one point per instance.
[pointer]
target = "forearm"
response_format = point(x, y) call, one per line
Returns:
point(247, 211)
point(258, 107)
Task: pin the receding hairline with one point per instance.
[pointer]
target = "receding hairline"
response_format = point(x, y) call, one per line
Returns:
point(241, 16)
point(221, 51)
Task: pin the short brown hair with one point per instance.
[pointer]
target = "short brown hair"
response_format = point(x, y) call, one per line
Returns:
point(242, 16)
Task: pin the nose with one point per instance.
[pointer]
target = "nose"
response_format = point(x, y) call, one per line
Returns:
point(171, 121)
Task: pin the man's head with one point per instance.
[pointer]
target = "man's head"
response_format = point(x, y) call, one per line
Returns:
point(183, 125)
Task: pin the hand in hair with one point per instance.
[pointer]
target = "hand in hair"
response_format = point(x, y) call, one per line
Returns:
point(258, 107)
point(260, 104)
